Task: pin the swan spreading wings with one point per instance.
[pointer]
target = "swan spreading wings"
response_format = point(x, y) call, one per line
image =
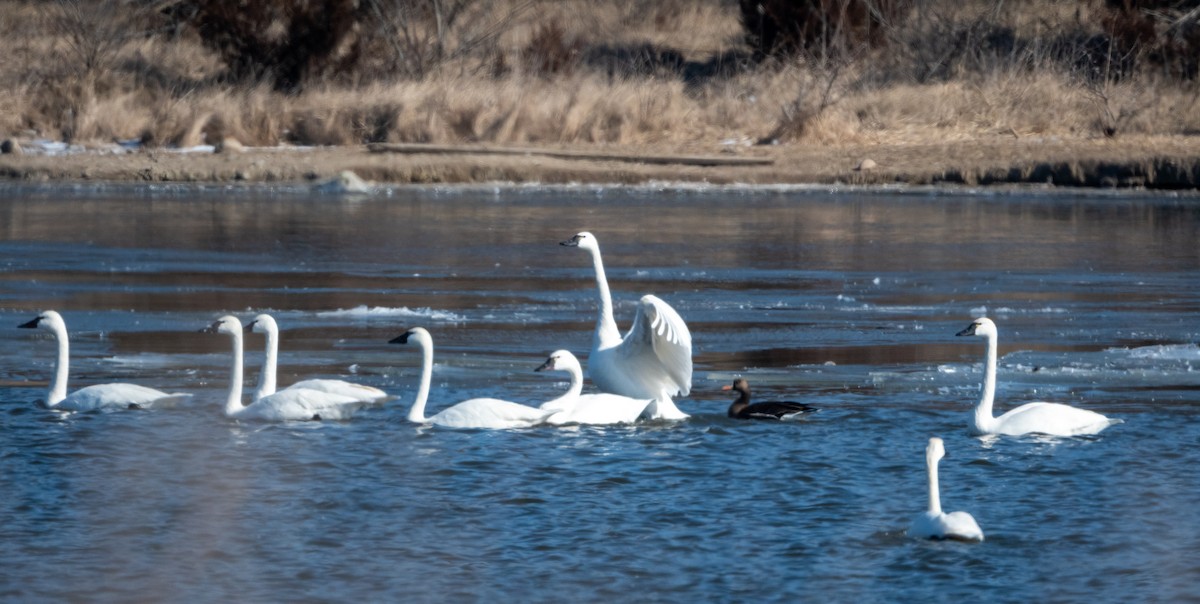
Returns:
point(652, 361)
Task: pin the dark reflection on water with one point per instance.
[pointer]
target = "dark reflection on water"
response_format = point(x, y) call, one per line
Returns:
point(846, 301)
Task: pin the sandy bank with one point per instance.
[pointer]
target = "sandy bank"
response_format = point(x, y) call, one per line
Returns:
point(1171, 163)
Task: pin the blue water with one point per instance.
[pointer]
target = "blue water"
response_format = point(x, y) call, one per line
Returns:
point(848, 301)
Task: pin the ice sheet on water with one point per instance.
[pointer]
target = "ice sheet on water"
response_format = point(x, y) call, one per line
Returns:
point(365, 312)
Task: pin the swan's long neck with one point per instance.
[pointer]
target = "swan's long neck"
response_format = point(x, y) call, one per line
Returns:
point(576, 381)
point(606, 327)
point(62, 366)
point(233, 403)
point(935, 499)
point(983, 411)
point(416, 414)
point(266, 378)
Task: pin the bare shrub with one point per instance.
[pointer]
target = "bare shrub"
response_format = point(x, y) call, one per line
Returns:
point(820, 27)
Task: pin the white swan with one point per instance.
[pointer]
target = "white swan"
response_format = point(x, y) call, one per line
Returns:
point(1054, 419)
point(265, 324)
point(592, 409)
point(292, 404)
point(934, 524)
point(473, 413)
point(653, 360)
point(99, 396)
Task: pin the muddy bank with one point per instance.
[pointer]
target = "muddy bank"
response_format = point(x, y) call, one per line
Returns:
point(1171, 163)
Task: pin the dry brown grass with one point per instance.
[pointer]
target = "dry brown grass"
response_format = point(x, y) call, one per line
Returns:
point(168, 89)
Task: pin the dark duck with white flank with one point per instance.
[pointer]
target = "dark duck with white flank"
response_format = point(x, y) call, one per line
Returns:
point(742, 408)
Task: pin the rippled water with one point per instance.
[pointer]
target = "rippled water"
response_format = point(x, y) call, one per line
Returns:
point(849, 301)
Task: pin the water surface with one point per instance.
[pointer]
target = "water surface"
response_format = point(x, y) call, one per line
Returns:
point(848, 301)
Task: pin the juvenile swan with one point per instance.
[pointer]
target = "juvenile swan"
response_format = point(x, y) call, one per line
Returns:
point(742, 408)
point(265, 324)
point(934, 524)
point(592, 409)
point(1054, 419)
point(474, 413)
point(292, 404)
point(653, 360)
point(99, 396)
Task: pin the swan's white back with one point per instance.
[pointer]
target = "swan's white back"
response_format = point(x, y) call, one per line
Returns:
point(98, 396)
point(265, 324)
point(933, 523)
point(591, 409)
point(653, 360)
point(485, 413)
point(298, 404)
point(1054, 419)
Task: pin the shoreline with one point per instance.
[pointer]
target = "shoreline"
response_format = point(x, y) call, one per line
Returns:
point(1160, 163)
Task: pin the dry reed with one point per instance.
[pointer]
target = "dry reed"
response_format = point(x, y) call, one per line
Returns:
point(170, 89)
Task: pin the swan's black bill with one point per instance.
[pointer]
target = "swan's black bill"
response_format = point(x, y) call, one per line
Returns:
point(249, 328)
point(401, 339)
point(547, 366)
point(212, 328)
point(30, 324)
point(572, 242)
point(969, 331)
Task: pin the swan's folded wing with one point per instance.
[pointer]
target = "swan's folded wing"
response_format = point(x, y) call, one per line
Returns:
point(659, 332)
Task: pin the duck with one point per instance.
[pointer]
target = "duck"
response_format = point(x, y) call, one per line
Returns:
point(600, 409)
point(477, 413)
point(293, 404)
point(934, 524)
point(742, 408)
point(97, 396)
point(1051, 419)
point(265, 324)
point(654, 358)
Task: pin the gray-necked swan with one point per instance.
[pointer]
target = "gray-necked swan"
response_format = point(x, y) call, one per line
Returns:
point(292, 404)
point(934, 524)
point(1054, 419)
point(653, 360)
point(473, 413)
point(265, 324)
point(99, 396)
point(742, 408)
point(592, 409)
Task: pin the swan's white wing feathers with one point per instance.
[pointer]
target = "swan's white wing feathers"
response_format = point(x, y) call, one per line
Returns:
point(659, 334)
point(301, 404)
point(490, 413)
point(1054, 419)
point(366, 394)
point(601, 409)
point(118, 396)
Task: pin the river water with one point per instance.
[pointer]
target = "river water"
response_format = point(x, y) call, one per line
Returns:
point(845, 300)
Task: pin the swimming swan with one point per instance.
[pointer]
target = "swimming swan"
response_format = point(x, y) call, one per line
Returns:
point(1054, 419)
point(291, 404)
point(99, 396)
point(653, 360)
point(474, 413)
point(742, 408)
point(934, 524)
point(265, 324)
point(591, 409)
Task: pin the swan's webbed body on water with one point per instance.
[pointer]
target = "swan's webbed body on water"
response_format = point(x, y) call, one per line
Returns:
point(742, 408)
point(934, 524)
point(487, 413)
point(1054, 419)
point(292, 404)
point(591, 409)
point(265, 324)
point(653, 360)
point(98, 396)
